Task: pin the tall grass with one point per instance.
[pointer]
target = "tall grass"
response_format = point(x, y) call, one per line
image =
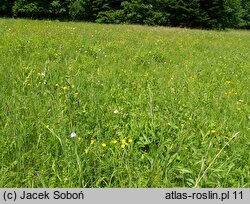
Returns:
point(151, 106)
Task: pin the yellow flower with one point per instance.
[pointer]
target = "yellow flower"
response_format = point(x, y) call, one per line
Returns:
point(115, 142)
point(79, 139)
point(123, 146)
point(92, 142)
point(76, 94)
point(86, 151)
point(104, 145)
point(130, 140)
point(182, 125)
point(65, 88)
point(190, 118)
point(124, 142)
point(57, 85)
point(213, 131)
point(72, 86)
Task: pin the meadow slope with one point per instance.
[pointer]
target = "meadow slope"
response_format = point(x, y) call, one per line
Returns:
point(150, 106)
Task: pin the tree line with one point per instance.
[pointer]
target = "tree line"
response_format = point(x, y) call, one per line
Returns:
point(208, 14)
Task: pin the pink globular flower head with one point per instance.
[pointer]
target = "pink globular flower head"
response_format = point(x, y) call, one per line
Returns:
point(73, 135)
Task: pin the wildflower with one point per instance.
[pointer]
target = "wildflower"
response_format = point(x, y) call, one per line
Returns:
point(73, 135)
point(79, 139)
point(84, 110)
point(65, 88)
point(86, 151)
point(76, 94)
point(104, 145)
point(115, 142)
point(72, 86)
point(213, 131)
point(124, 142)
point(130, 140)
point(123, 146)
point(92, 142)
point(116, 111)
point(57, 85)
point(182, 125)
point(190, 118)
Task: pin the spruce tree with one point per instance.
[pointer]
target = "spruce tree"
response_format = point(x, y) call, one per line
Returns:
point(80, 10)
point(6, 7)
point(246, 13)
point(221, 14)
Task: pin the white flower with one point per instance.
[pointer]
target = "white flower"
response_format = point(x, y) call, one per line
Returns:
point(73, 135)
point(116, 111)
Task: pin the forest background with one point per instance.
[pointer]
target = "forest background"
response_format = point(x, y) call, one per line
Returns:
point(212, 14)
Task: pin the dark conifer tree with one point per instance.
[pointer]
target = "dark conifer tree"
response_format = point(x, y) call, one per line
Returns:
point(6, 7)
point(246, 13)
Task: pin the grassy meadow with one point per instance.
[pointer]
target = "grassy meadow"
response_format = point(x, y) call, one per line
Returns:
point(90, 105)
